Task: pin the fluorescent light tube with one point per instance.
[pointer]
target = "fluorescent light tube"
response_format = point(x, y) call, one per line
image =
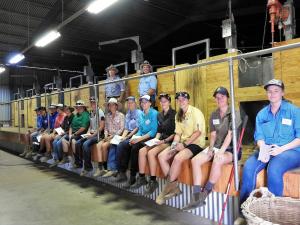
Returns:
point(99, 5)
point(2, 69)
point(17, 58)
point(48, 38)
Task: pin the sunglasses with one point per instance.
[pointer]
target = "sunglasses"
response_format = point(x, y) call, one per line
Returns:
point(182, 94)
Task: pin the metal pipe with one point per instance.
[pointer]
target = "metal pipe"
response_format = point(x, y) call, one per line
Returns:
point(49, 85)
point(234, 132)
point(206, 41)
point(206, 63)
point(44, 68)
point(88, 57)
point(75, 77)
point(97, 111)
point(29, 90)
point(136, 39)
point(125, 65)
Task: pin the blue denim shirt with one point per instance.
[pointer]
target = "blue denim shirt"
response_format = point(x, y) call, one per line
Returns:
point(43, 121)
point(279, 129)
point(52, 120)
point(146, 83)
point(132, 119)
point(39, 122)
point(114, 89)
point(148, 123)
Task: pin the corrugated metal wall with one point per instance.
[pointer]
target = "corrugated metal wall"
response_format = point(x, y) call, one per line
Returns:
point(212, 210)
point(4, 97)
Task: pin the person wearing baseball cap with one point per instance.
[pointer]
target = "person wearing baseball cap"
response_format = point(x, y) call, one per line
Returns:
point(49, 138)
point(147, 130)
point(117, 89)
point(189, 140)
point(277, 132)
point(91, 137)
point(147, 85)
point(220, 150)
point(164, 137)
point(131, 127)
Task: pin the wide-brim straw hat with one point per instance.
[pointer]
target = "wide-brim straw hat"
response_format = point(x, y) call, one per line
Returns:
point(80, 103)
point(112, 67)
point(112, 101)
point(146, 63)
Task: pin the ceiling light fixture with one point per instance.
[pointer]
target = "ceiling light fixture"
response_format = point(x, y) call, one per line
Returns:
point(47, 38)
point(2, 69)
point(17, 58)
point(99, 5)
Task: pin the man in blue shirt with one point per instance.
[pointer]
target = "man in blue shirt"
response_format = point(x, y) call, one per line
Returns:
point(277, 134)
point(148, 85)
point(114, 90)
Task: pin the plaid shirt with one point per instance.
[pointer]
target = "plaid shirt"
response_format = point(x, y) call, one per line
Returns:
point(114, 126)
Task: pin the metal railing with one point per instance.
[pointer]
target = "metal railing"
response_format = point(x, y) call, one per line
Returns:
point(228, 59)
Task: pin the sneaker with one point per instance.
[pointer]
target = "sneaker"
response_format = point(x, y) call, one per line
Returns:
point(240, 221)
point(130, 182)
point(63, 161)
point(121, 177)
point(54, 164)
point(195, 202)
point(110, 173)
point(83, 172)
point(45, 158)
point(28, 155)
point(141, 181)
point(37, 156)
point(151, 187)
point(26, 150)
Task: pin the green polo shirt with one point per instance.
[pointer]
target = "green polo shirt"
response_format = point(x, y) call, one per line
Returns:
point(80, 120)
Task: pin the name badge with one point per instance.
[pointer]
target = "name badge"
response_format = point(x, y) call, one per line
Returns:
point(286, 121)
point(216, 122)
point(147, 122)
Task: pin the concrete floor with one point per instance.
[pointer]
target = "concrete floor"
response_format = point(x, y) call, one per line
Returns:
point(32, 194)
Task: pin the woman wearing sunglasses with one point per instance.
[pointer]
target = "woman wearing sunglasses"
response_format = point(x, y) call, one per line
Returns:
point(163, 139)
point(189, 140)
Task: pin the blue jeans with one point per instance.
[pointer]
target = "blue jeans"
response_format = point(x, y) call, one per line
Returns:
point(57, 148)
point(87, 148)
point(112, 158)
point(276, 168)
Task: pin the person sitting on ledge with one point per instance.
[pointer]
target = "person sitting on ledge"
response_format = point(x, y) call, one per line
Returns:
point(189, 140)
point(220, 150)
point(277, 134)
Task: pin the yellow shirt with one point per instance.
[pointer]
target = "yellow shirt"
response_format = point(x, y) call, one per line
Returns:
point(193, 121)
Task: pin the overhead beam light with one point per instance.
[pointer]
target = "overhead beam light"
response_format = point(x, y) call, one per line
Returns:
point(2, 69)
point(48, 38)
point(99, 5)
point(17, 58)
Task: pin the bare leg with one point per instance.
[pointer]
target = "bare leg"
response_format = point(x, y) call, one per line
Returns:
point(217, 164)
point(99, 149)
point(143, 159)
point(105, 147)
point(152, 153)
point(65, 145)
point(164, 158)
point(177, 162)
point(197, 161)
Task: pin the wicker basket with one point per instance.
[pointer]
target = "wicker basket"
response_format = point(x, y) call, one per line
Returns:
point(270, 210)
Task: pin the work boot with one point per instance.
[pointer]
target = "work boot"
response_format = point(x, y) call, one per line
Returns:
point(141, 181)
point(28, 154)
point(203, 195)
point(110, 173)
point(54, 164)
point(240, 221)
point(130, 182)
point(160, 200)
point(37, 156)
point(121, 177)
point(195, 202)
point(26, 150)
point(83, 172)
point(151, 187)
point(72, 161)
point(63, 161)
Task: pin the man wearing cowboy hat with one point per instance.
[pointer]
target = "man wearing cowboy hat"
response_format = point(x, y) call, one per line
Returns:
point(148, 85)
point(114, 90)
point(79, 126)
